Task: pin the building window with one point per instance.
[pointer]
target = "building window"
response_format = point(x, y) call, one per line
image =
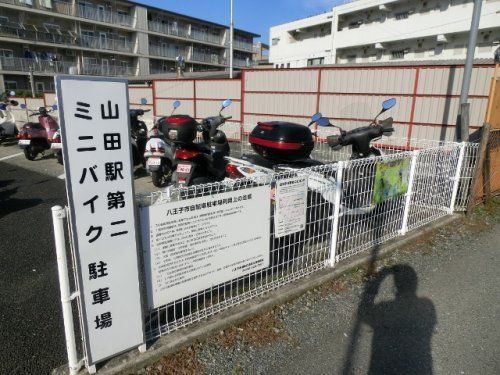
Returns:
point(10, 85)
point(40, 87)
point(398, 54)
point(282, 66)
point(288, 65)
point(316, 61)
point(402, 15)
point(275, 41)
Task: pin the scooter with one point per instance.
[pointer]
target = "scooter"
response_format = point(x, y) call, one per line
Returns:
point(271, 140)
point(8, 126)
point(198, 163)
point(159, 154)
point(138, 132)
point(38, 137)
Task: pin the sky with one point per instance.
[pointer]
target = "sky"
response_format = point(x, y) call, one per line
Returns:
point(251, 15)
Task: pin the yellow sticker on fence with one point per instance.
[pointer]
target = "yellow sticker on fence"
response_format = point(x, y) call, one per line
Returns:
point(391, 180)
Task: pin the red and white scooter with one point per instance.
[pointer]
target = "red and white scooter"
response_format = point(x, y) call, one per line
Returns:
point(38, 137)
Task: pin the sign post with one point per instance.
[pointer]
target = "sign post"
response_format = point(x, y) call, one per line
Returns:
point(96, 141)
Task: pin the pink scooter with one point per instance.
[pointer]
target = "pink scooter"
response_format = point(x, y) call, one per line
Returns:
point(37, 137)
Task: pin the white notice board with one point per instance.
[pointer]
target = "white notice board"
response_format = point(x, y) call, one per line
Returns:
point(193, 244)
point(291, 206)
point(95, 133)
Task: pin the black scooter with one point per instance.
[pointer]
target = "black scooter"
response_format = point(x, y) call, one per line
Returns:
point(139, 136)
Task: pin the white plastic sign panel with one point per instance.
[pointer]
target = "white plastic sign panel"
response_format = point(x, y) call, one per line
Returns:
point(194, 244)
point(96, 142)
point(291, 206)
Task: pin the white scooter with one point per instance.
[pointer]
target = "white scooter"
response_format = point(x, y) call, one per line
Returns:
point(8, 126)
point(159, 154)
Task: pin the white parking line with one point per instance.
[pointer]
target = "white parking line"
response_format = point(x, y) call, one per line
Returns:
point(11, 156)
point(62, 177)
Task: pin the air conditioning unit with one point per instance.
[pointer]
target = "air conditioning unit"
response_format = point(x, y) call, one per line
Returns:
point(441, 38)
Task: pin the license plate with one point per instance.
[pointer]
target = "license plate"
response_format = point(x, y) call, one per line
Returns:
point(184, 168)
point(24, 141)
point(154, 161)
point(55, 146)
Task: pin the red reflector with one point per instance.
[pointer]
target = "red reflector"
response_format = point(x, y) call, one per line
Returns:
point(276, 144)
point(179, 120)
point(233, 172)
point(184, 154)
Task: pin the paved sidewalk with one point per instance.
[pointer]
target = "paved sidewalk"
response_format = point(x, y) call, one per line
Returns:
point(450, 325)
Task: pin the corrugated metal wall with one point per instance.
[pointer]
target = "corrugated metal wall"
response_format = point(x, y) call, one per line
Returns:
point(199, 99)
point(428, 97)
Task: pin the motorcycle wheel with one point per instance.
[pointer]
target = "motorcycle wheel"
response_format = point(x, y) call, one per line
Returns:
point(157, 178)
point(59, 158)
point(30, 153)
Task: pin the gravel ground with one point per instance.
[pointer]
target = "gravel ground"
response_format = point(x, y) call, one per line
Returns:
point(451, 325)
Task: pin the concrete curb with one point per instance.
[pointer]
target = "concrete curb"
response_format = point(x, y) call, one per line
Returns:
point(134, 361)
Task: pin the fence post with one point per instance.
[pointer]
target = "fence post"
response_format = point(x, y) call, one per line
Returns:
point(482, 155)
point(404, 225)
point(456, 179)
point(58, 215)
point(336, 213)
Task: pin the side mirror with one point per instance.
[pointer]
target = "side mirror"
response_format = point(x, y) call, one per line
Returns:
point(323, 121)
point(316, 117)
point(388, 104)
point(144, 101)
point(226, 103)
point(54, 107)
point(12, 93)
point(176, 104)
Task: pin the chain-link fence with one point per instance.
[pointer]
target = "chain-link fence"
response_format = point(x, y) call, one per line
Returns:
point(352, 206)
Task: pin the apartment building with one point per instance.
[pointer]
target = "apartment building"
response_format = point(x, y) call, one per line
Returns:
point(109, 38)
point(367, 31)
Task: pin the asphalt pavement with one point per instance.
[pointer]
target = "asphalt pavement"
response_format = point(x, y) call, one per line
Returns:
point(31, 328)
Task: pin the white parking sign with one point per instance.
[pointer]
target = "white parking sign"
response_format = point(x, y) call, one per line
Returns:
point(96, 142)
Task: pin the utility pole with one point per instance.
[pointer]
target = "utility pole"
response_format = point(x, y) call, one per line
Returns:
point(463, 119)
point(231, 35)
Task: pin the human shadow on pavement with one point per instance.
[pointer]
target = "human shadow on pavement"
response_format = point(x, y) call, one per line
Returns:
point(402, 327)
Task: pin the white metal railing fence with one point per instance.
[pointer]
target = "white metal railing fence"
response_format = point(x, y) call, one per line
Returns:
point(343, 219)
point(349, 210)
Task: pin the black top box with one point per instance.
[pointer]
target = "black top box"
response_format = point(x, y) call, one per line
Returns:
point(178, 128)
point(282, 140)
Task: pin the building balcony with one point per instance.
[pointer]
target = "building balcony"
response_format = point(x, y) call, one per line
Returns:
point(106, 16)
point(210, 58)
point(163, 51)
point(241, 45)
point(89, 11)
point(67, 38)
point(107, 70)
point(19, 64)
point(182, 31)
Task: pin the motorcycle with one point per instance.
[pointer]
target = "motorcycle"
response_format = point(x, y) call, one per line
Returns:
point(38, 137)
point(138, 132)
point(8, 126)
point(284, 147)
point(198, 163)
point(159, 154)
